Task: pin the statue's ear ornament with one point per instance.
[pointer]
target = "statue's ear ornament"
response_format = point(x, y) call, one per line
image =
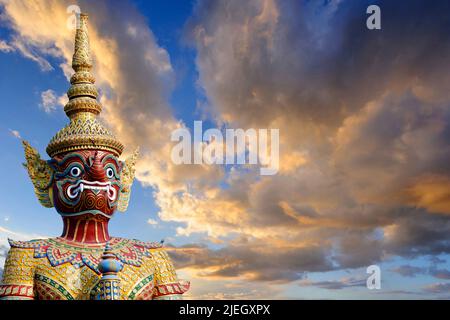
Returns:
point(126, 178)
point(41, 174)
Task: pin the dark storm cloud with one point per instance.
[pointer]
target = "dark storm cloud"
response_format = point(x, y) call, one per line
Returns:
point(370, 109)
point(317, 60)
point(413, 271)
point(440, 273)
point(409, 271)
point(336, 284)
point(419, 233)
point(255, 260)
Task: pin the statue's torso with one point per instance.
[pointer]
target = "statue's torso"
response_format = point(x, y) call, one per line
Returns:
point(56, 269)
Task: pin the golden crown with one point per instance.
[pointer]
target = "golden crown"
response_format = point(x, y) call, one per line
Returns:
point(84, 130)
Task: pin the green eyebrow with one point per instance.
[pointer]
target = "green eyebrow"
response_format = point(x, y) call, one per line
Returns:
point(70, 156)
point(110, 156)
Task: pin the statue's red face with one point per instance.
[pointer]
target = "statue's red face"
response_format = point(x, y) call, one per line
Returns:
point(86, 182)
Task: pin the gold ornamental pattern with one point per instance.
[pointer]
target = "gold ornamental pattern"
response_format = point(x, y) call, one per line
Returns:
point(84, 131)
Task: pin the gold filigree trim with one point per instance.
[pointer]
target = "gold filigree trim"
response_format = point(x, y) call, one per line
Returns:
point(82, 89)
point(84, 133)
point(82, 76)
point(82, 104)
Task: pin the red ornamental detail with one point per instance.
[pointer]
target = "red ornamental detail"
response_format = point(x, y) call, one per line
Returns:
point(57, 256)
point(23, 291)
point(146, 293)
point(129, 255)
point(77, 261)
point(46, 293)
point(171, 288)
point(41, 251)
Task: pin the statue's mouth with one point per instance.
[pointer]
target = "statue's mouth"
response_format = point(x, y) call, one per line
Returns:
point(96, 186)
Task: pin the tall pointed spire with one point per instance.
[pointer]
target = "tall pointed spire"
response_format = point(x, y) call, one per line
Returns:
point(83, 131)
point(83, 93)
point(82, 56)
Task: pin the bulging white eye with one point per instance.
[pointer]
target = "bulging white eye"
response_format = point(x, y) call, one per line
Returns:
point(75, 172)
point(109, 173)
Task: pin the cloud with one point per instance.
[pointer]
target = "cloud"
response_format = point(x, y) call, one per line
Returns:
point(441, 287)
point(369, 129)
point(5, 232)
point(3, 251)
point(15, 133)
point(231, 290)
point(363, 118)
point(431, 192)
point(49, 101)
point(152, 222)
point(5, 47)
point(399, 292)
point(251, 260)
point(435, 260)
point(343, 283)
point(409, 271)
point(21, 46)
point(412, 271)
point(28, 52)
point(417, 233)
point(440, 273)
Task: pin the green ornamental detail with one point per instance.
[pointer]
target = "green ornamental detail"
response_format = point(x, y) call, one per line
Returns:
point(55, 285)
point(139, 286)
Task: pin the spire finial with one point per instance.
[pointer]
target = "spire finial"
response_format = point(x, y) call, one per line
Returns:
point(83, 131)
point(82, 81)
point(82, 57)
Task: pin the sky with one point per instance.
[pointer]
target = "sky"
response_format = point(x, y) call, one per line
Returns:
point(364, 124)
